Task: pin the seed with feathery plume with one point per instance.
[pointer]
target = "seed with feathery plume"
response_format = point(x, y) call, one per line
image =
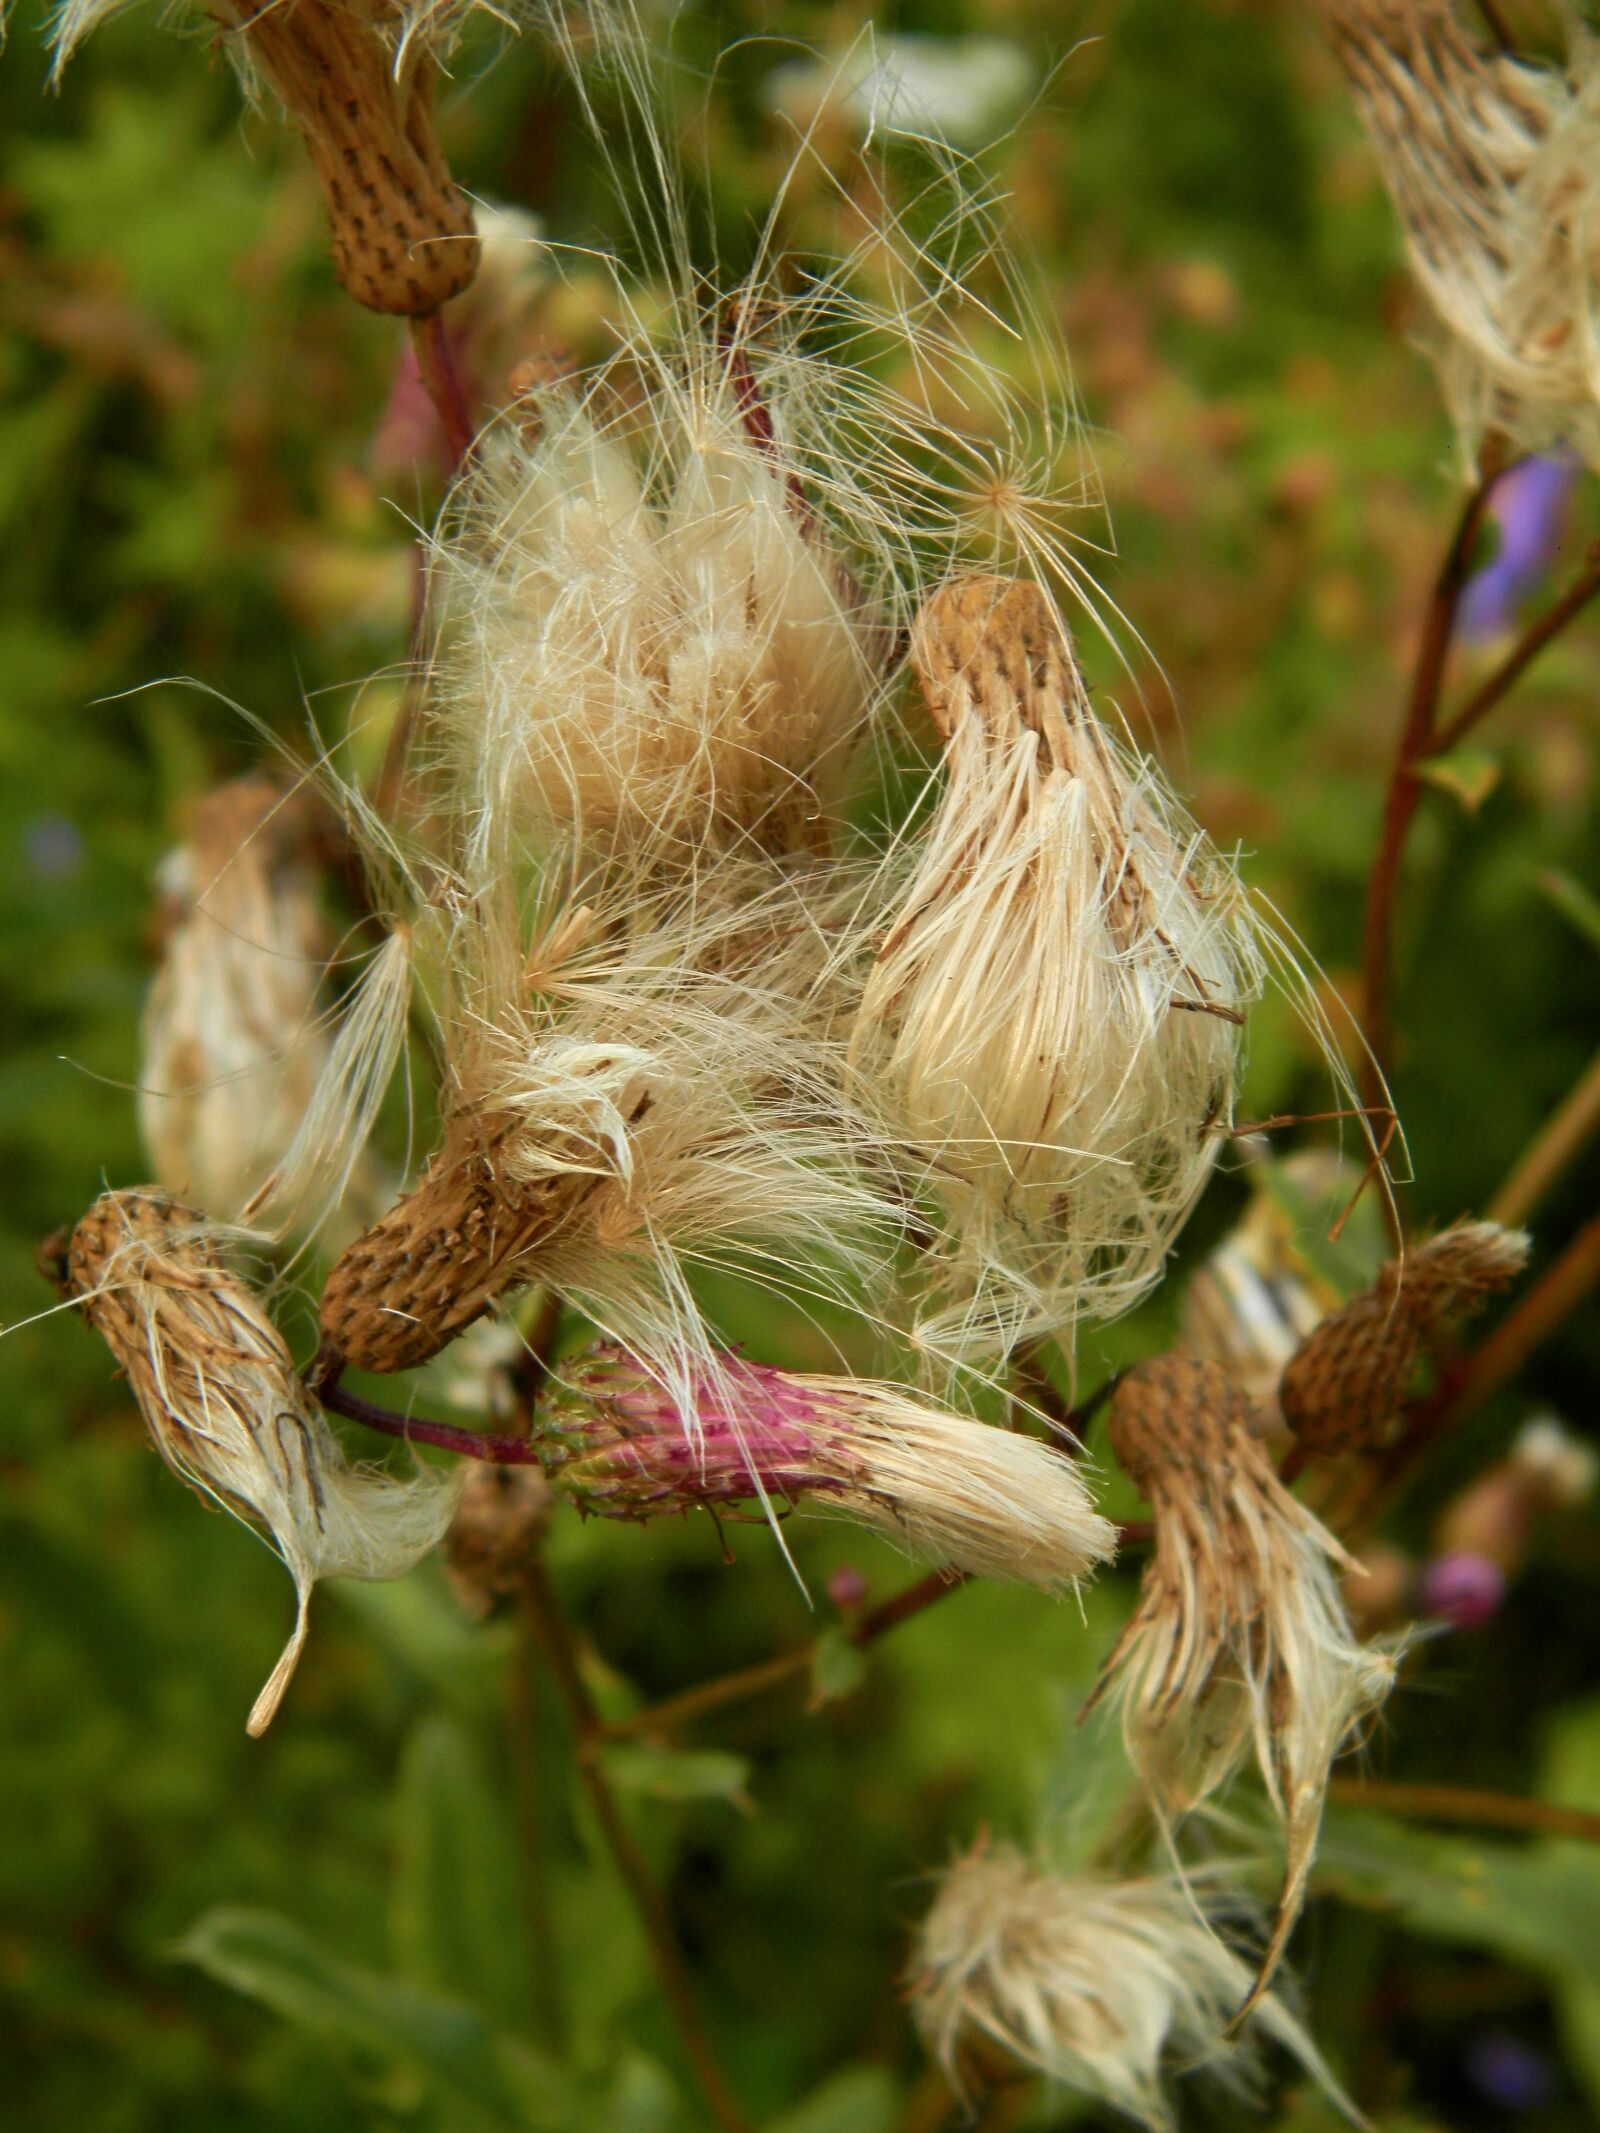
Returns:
point(944, 1487)
point(223, 1403)
point(357, 79)
point(644, 640)
point(1240, 1640)
point(1105, 1986)
point(1343, 1387)
point(1491, 164)
point(1052, 1017)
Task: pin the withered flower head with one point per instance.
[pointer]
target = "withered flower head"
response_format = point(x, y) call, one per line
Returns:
point(1342, 1388)
point(637, 1080)
point(1104, 1986)
point(944, 1487)
point(1240, 1640)
point(357, 78)
point(1053, 1017)
point(220, 1396)
point(1491, 163)
point(235, 1033)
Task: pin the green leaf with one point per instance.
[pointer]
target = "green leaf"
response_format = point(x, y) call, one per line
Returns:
point(1346, 1263)
point(860, 2099)
point(1468, 775)
point(1537, 1904)
point(459, 1916)
point(673, 1774)
point(1570, 1776)
point(838, 1667)
point(448, 2043)
point(1579, 906)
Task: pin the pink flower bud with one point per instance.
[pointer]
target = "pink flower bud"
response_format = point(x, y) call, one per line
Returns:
point(1464, 1590)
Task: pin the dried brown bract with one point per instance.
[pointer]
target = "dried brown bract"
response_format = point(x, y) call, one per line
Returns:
point(221, 1398)
point(1343, 1388)
point(1240, 1641)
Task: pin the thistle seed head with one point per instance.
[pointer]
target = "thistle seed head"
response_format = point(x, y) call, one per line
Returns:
point(226, 1409)
point(1052, 1018)
point(1343, 1388)
point(1240, 1642)
point(1490, 162)
point(499, 1522)
point(444, 1254)
point(1107, 1987)
point(236, 1036)
point(646, 640)
point(357, 79)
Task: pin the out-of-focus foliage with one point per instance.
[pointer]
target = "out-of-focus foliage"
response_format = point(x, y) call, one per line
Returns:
point(393, 1912)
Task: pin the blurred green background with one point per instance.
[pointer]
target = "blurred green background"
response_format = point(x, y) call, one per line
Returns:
point(392, 1912)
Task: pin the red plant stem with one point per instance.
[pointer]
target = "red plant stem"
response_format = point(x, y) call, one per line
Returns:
point(1406, 788)
point(589, 1731)
point(747, 1681)
point(470, 1443)
point(1460, 1803)
point(442, 380)
point(1540, 632)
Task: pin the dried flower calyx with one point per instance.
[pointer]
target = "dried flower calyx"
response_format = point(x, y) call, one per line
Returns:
point(1105, 1986)
point(942, 1486)
point(1343, 1387)
point(1053, 1015)
point(1240, 1641)
point(223, 1403)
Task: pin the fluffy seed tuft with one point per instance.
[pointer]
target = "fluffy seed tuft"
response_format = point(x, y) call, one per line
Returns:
point(1103, 1986)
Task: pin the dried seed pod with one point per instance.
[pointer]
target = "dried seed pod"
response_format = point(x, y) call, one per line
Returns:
point(1342, 1388)
point(443, 1255)
point(222, 1400)
point(499, 1523)
point(1104, 1986)
point(1240, 1640)
point(941, 1485)
point(357, 78)
point(1051, 1021)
